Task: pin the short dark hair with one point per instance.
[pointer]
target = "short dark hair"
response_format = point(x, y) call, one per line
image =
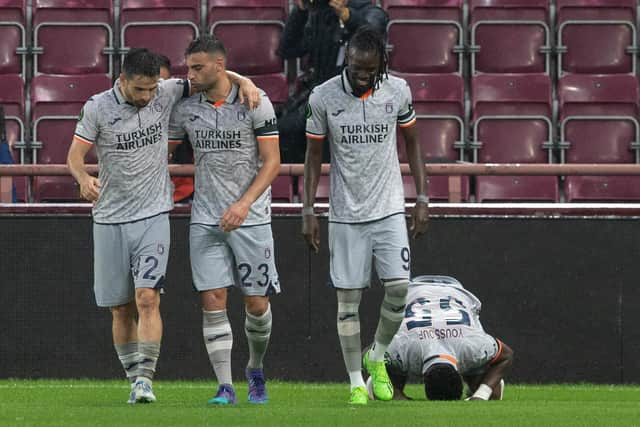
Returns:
point(141, 62)
point(442, 382)
point(368, 39)
point(164, 61)
point(206, 43)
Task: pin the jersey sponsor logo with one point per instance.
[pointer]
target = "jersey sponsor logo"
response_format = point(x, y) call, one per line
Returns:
point(139, 138)
point(114, 121)
point(440, 333)
point(270, 122)
point(194, 118)
point(218, 139)
point(337, 113)
point(374, 133)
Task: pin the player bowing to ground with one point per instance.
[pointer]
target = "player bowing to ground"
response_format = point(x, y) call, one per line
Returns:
point(133, 195)
point(237, 157)
point(357, 112)
point(442, 342)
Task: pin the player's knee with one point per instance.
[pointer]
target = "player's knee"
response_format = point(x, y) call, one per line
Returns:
point(396, 289)
point(124, 311)
point(507, 354)
point(147, 300)
point(215, 299)
point(256, 306)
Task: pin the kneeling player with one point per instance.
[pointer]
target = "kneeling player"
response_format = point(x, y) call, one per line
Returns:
point(442, 342)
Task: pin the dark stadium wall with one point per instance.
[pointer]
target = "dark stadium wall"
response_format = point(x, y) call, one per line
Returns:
point(563, 293)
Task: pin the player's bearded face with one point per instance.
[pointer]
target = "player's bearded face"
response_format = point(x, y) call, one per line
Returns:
point(362, 68)
point(139, 90)
point(204, 69)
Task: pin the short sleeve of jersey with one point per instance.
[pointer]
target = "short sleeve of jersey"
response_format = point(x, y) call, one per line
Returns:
point(265, 126)
point(406, 114)
point(178, 88)
point(316, 115)
point(87, 128)
point(176, 130)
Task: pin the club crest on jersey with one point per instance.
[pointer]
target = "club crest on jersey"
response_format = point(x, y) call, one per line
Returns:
point(157, 106)
point(241, 116)
point(388, 107)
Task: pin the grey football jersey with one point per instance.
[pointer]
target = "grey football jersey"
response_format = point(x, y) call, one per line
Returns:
point(366, 183)
point(132, 151)
point(441, 323)
point(225, 137)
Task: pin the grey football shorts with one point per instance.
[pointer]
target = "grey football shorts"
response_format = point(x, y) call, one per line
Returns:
point(243, 258)
point(128, 256)
point(353, 247)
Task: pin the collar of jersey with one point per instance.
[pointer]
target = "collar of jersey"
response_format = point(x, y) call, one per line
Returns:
point(230, 99)
point(347, 86)
point(120, 99)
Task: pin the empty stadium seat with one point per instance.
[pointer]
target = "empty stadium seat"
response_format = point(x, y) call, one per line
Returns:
point(73, 36)
point(438, 100)
point(250, 31)
point(163, 26)
point(274, 85)
point(598, 124)
point(510, 36)
point(425, 36)
point(282, 189)
point(56, 104)
point(13, 35)
point(512, 124)
point(596, 36)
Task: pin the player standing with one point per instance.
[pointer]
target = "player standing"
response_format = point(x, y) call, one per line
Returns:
point(357, 112)
point(237, 157)
point(132, 197)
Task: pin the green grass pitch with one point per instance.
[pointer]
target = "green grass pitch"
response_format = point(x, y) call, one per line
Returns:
point(102, 403)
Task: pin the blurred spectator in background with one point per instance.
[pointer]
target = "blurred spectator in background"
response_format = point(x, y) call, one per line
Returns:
point(318, 30)
point(165, 67)
point(5, 151)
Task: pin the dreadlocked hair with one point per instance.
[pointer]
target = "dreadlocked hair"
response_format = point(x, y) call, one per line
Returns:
point(367, 39)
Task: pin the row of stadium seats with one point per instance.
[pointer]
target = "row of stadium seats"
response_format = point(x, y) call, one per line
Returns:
point(513, 36)
point(497, 36)
point(512, 118)
point(80, 37)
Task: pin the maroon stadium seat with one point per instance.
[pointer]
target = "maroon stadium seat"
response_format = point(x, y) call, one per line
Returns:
point(275, 86)
point(164, 26)
point(13, 36)
point(438, 100)
point(73, 36)
point(282, 189)
point(598, 124)
point(425, 36)
point(56, 103)
point(510, 36)
point(250, 31)
point(512, 124)
point(596, 36)
point(322, 194)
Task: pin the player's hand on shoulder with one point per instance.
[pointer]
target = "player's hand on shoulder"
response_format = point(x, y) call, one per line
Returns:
point(90, 188)
point(234, 216)
point(311, 231)
point(419, 219)
point(249, 93)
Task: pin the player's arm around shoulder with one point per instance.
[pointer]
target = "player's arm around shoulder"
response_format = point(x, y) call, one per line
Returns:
point(85, 137)
point(407, 123)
